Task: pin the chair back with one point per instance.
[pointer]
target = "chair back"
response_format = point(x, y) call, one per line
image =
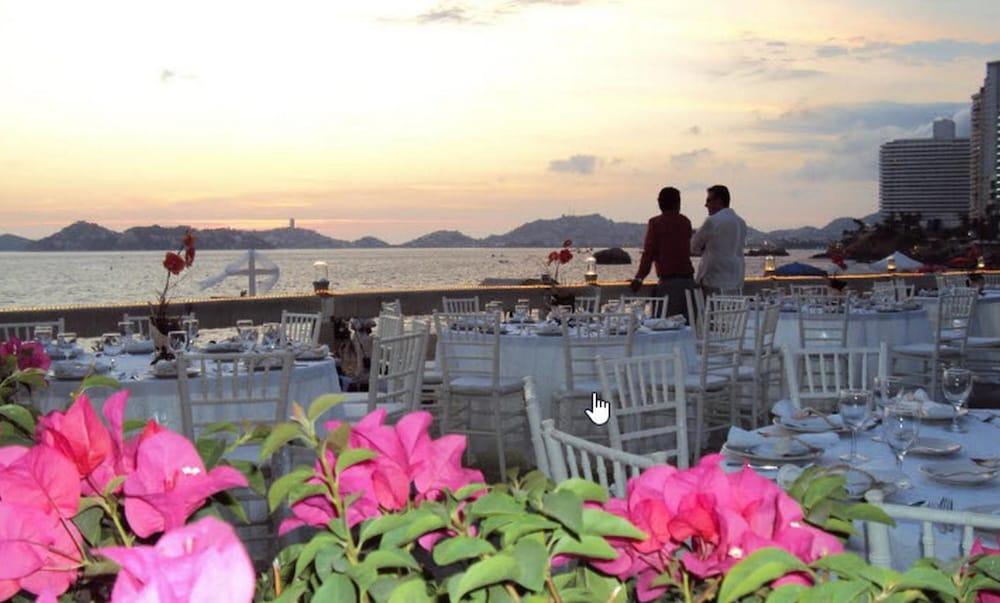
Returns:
point(140, 324)
point(653, 307)
point(587, 303)
point(695, 299)
point(824, 320)
point(570, 456)
point(954, 314)
point(535, 426)
point(809, 290)
point(390, 325)
point(585, 337)
point(25, 331)
point(764, 328)
point(649, 408)
point(237, 382)
point(721, 341)
point(879, 546)
point(397, 370)
point(949, 281)
point(992, 281)
point(460, 305)
point(300, 328)
point(469, 345)
point(392, 307)
point(815, 376)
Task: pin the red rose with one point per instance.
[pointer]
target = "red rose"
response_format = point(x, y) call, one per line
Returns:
point(188, 256)
point(565, 255)
point(554, 257)
point(567, 243)
point(174, 263)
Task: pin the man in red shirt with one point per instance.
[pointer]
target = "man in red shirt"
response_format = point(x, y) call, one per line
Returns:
point(668, 245)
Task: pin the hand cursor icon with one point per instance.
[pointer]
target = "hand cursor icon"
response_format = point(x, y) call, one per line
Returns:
point(599, 411)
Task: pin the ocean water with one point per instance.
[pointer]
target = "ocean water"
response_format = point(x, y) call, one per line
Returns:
point(66, 278)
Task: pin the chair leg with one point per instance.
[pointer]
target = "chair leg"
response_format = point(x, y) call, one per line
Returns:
point(499, 431)
point(699, 424)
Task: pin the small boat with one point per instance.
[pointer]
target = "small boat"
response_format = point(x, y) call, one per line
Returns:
point(765, 250)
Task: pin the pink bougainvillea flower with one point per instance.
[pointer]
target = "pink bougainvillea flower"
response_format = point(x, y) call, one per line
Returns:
point(29, 354)
point(42, 478)
point(986, 596)
point(170, 483)
point(317, 511)
point(78, 434)
point(204, 562)
point(9, 454)
point(39, 552)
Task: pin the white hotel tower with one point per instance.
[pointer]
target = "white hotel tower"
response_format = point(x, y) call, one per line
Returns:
point(926, 175)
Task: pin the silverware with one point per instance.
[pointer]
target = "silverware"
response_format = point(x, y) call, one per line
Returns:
point(759, 467)
point(917, 503)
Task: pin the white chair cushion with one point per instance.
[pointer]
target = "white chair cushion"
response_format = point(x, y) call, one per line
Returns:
point(923, 349)
point(983, 342)
point(692, 381)
point(354, 411)
point(744, 373)
point(433, 377)
point(583, 389)
point(483, 386)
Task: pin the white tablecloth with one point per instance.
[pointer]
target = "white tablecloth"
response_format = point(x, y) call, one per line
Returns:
point(986, 322)
point(151, 397)
point(868, 329)
point(979, 441)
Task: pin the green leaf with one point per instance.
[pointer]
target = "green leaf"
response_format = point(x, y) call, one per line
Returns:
point(410, 591)
point(836, 591)
point(533, 561)
point(503, 522)
point(468, 490)
point(292, 593)
point(495, 503)
point(353, 456)
point(584, 489)
point(928, 579)
point(281, 434)
point(519, 527)
point(460, 548)
point(89, 524)
point(231, 504)
point(219, 427)
point(498, 569)
point(788, 593)
point(336, 587)
point(566, 508)
point(113, 484)
point(391, 558)
point(593, 547)
point(990, 564)
point(337, 439)
point(210, 450)
point(602, 523)
point(322, 404)
point(761, 567)
point(20, 416)
point(281, 486)
point(251, 471)
point(301, 491)
point(133, 425)
point(823, 488)
point(311, 548)
point(93, 381)
point(327, 558)
point(419, 523)
point(380, 525)
point(867, 512)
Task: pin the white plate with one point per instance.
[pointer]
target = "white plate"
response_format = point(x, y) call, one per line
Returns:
point(933, 411)
point(934, 447)
point(806, 425)
point(958, 473)
point(769, 452)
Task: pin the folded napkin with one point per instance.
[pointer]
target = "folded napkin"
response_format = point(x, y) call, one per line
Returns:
point(318, 352)
point(918, 402)
point(548, 328)
point(743, 439)
point(74, 369)
point(797, 417)
point(139, 346)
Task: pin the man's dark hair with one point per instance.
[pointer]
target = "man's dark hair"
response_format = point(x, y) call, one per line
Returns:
point(721, 193)
point(669, 199)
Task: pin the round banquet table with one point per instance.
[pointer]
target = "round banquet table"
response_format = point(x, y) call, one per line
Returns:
point(153, 397)
point(866, 328)
point(979, 441)
point(985, 322)
point(523, 353)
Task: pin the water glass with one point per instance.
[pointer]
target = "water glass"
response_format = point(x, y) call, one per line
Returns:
point(248, 337)
point(854, 406)
point(886, 390)
point(521, 310)
point(956, 384)
point(66, 339)
point(111, 344)
point(177, 340)
point(126, 329)
point(191, 328)
point(900, 429)
point(270, 336)
point(43, 335)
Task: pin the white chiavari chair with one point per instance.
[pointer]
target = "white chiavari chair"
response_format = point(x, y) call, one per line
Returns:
point(460, 305)
point(25, 331)
point(695, 299)
point(880, 551)
point(649, 413)
point(815, 376)
point(824, 320)
point(587, 303)
point(570, 456)
point(585, 337)
point(760, 362)
point(140, 325)
point(920, 364)
point(991, 281)
point(472, 386)
point(239, 385)
point(653, 307)
point(395, 380)
point(392, 307)
point(390, 325)
point(951, 281)
point(809, 290)
point(300, 328)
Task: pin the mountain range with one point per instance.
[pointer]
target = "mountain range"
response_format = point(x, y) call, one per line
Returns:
point(591, 230)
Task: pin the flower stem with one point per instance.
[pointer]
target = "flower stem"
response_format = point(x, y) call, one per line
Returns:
point(551, 586)
point(687, 587)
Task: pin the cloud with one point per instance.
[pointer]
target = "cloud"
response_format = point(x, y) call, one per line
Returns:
point(691, 157)
point(471, 12)
point(837, 119)
point(831, 50)
point(445, 14)
point(576, 164)
point(694, 130)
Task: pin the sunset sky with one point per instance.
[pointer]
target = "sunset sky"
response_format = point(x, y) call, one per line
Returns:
point(397, 117)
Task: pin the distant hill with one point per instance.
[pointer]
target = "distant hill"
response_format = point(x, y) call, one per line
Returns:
point(593, 230)
point(9, 242)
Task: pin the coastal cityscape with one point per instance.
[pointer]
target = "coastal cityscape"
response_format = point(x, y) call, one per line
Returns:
point(500, 301)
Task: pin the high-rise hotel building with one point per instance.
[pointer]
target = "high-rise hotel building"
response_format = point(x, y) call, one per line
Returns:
point(926, 175)
point(984, 150)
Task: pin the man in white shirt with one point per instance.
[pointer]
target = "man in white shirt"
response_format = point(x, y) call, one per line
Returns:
point(720, 241)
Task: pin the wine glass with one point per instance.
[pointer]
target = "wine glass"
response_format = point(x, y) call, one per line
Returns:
point(66, 339)
point(270, 334)
point(177, 340)
point(191, 328)
point(956, 384)
point(43, 335)
point(854, 406)
point(886, 390)
point(126, 329)
point(900, 429)
point(111, 345)
point(248, 337)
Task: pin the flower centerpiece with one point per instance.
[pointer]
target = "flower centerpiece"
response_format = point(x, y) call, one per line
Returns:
point(559, 258)
point(160, 321)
